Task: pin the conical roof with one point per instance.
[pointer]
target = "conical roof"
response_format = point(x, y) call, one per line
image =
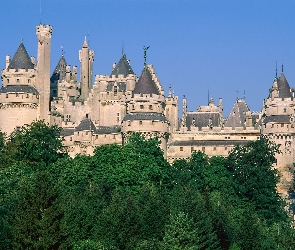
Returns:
point(145, 84)
point(59, 72)
point(86, 124)
point(122, 67)
point(237, 116)
point(284, 87)
point(21, 59)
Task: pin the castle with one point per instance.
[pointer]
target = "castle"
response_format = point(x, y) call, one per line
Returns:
point(121, 103)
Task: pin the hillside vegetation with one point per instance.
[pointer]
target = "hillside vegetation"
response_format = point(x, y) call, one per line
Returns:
point(130, 197)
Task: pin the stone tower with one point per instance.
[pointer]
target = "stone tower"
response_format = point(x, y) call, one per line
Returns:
point(278, 125)
point(145, 109)
point(19, 99)
point(44, 33)
point(86, 58)
point(171, 110)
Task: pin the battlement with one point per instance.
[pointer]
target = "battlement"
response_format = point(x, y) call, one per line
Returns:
point(19, 97)
point(276, 100)
point(220, 130)
point(42, 29)
point(148, 97)
point(18, 71)
point(270, 128)
point(114, 78)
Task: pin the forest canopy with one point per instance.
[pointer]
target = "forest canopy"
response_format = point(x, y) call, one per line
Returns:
point(130, 197)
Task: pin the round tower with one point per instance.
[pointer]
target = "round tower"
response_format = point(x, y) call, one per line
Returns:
point(19, 99)
point(44, 33)
point(86, 57)
point(145, 110)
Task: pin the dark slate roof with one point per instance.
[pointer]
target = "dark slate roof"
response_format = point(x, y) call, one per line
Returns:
point(107, 130)
point(202, 119)
point(59, 72)
point(19, 89)
point(237, 116)
point(86, 124)
point(21, 59)
point(122, 67)
point(284, 87)
point(121, 86)
point(145, 84)
point(277, 118)
point(67, 131)
point(210, 143)
point(145, 116)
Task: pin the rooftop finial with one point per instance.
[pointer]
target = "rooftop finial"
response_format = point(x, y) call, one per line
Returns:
point(85, 44)
point(170, 91)
point(62, 51)
point(276, 69)
point(144, 53)
point(282, 67)
point(123, 48)
point(40, 11)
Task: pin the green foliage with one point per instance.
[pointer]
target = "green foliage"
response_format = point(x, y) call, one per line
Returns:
point(91, 245)
point(36, 213)
point(181, 234)
point(130, 217)
point(138, 162)
point(255, 178)
point(128, 197)
point(37, 142)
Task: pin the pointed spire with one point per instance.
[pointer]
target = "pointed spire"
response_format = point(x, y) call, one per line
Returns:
point(276, 69)
point(59, 72)
point(146, 84)
point(122, 67)
point(21, 59)
point(85, 44)
point(282, 68)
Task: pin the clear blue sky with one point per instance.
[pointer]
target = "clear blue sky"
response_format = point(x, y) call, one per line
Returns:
point(223, 46)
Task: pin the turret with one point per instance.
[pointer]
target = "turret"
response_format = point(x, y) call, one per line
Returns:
point(171, 110)
point(7, 62)
point(184, 112)
point(44, 33)
point(86, 57)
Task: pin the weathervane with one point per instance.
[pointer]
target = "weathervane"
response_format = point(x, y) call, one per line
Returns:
point(62, 50)
point(144, 53)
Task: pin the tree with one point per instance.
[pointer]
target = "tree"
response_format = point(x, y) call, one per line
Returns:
point(133, 165)
point(37, 142)
point(36, 214)
point(181, 234)
point(188, 200)
point(255, 178)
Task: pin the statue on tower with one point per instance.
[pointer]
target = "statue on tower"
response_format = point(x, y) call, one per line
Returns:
point(144, 53)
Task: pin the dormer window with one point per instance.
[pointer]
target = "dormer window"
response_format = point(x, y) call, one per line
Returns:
point(115, 90)
point(17, 80)
point(141, 106)
point(285, 110)
point(7, 80)
point(29, 80)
